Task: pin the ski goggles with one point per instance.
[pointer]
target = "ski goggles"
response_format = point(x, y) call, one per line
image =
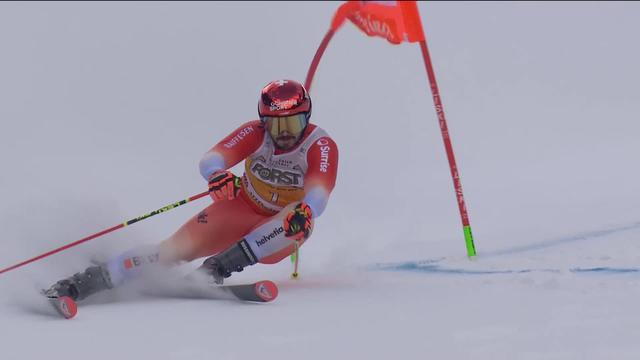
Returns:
point(293, 124)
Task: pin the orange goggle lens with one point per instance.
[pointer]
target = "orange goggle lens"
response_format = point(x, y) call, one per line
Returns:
point(293, 125)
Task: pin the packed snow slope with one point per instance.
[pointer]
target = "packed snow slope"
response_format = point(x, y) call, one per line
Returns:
point(106, 109)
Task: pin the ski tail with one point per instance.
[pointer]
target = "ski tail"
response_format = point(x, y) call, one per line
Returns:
point(261, 291)
point(65, 306)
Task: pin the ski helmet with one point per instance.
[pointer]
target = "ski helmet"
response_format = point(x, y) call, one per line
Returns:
point(284, 109)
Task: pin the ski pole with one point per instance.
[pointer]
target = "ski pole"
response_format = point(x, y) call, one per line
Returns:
point(106, 231)
point(295, 259)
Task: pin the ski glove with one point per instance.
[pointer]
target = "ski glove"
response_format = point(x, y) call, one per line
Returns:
point(297, 223)
point(223, 185)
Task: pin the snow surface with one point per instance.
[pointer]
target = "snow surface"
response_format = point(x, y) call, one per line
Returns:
point(106, 108)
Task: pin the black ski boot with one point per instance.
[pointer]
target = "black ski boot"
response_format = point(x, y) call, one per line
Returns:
point(81, 285)
point(234, 259)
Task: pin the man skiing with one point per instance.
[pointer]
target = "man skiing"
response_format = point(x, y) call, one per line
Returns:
point(289, 171)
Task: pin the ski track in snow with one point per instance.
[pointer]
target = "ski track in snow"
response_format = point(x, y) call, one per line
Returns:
point(428, 267)
point(439, 265)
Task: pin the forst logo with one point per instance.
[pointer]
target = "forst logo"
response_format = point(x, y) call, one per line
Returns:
point(276, 176)
point(277, 231)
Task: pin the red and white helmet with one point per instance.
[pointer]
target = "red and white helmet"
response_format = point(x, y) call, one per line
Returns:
point(284, 109)
point(284, 98)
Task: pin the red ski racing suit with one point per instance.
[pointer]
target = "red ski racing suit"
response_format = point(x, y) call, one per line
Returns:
point(273, 183)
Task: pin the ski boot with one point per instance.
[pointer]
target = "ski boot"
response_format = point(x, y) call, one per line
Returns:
point(81, 285)
point(234, 259)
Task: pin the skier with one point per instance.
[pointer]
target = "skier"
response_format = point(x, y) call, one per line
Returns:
point(289, 171)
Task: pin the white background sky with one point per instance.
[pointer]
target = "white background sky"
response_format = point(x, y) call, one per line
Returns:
point(106, 109)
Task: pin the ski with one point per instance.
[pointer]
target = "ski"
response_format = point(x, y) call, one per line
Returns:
point(189, 288)
point(64, 305)
point(261, 291)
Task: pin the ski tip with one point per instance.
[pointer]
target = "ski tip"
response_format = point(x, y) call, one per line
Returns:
point(66, 307)
point(266, 290)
